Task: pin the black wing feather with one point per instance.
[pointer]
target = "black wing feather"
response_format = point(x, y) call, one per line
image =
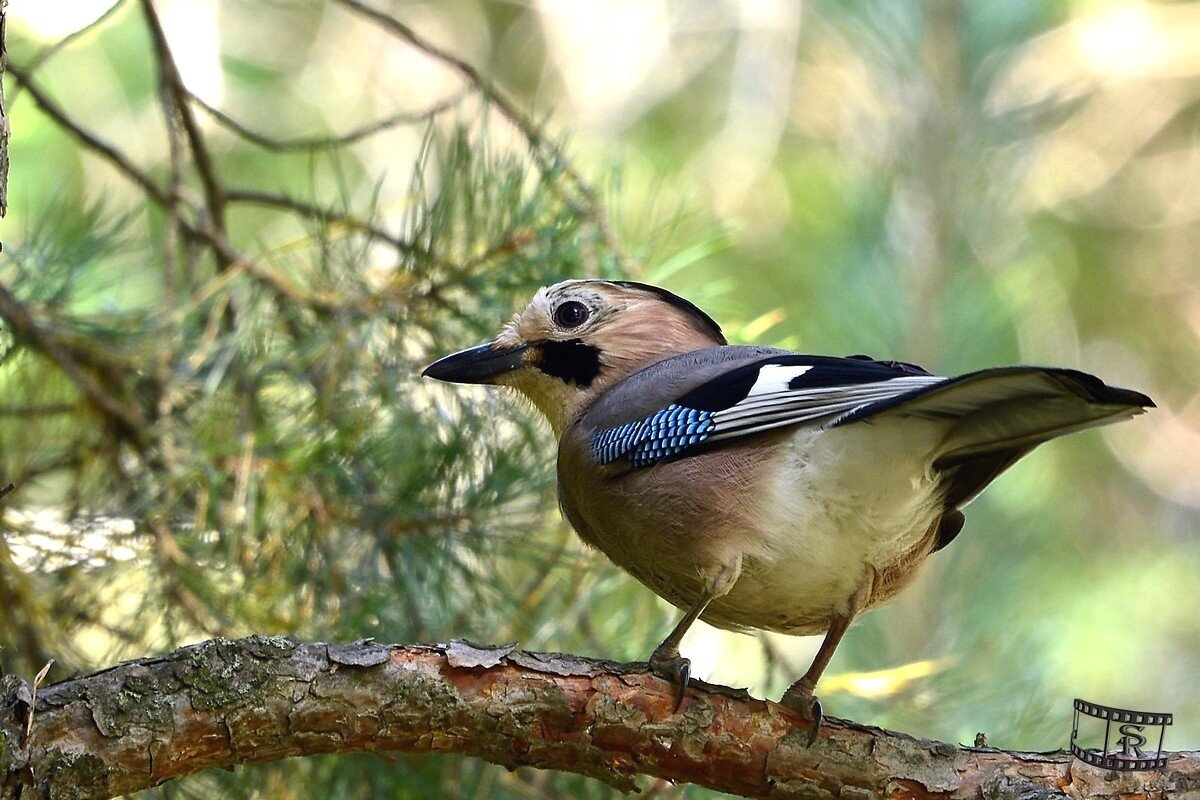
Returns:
point(728, 407)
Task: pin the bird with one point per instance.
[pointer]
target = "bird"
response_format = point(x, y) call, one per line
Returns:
point(757, 488)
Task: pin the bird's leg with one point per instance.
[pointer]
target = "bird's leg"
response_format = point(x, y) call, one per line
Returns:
point(665, 661)
point(799, 696)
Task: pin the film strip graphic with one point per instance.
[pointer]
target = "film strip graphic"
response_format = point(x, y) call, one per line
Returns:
point(1132, 735)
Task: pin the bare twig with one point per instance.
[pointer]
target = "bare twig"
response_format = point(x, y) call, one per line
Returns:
point(543, 148)
point(334, 140)
point(327, 216)
point(214, 191)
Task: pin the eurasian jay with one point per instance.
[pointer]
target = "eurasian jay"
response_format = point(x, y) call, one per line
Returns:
point(753, 487)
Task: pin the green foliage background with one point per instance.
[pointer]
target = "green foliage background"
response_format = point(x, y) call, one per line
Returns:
point(956, 184)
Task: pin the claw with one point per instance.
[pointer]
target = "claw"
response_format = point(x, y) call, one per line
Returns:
point(817, 716)
point(685, 674)
point(807, 706)
point(677, 670)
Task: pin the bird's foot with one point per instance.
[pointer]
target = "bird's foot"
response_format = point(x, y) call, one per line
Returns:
point(799, 698)
point(674, 668)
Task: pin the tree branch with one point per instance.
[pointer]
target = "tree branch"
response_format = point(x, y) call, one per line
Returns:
point(228, 702)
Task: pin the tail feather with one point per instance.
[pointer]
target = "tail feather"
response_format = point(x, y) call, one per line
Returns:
point(996, 416)
point(965, 480)
point(1018, 408)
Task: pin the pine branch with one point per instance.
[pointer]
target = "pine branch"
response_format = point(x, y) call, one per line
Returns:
point(125, 419)
point(543, 149)
point(228, 702)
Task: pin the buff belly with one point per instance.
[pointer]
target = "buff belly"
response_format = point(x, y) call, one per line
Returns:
point(808, 512)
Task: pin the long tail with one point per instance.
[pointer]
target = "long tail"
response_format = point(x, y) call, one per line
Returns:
point(996, 416)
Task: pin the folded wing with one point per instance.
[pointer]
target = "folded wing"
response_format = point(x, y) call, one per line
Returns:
point(776, 392)
point(991, 418)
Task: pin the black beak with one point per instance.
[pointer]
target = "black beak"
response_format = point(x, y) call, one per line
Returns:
point(477, 364)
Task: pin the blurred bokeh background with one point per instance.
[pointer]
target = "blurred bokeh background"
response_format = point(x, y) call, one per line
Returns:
point(227, 256)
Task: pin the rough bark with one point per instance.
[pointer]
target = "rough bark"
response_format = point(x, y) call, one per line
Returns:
point(228, 702)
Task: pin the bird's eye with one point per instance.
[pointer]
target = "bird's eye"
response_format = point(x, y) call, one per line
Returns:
point(571, 314)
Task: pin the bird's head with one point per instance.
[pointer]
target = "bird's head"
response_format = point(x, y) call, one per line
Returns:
point(577, 338)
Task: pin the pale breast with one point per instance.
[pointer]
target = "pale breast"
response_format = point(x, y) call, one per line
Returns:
point(673, 524)
point(805, 510)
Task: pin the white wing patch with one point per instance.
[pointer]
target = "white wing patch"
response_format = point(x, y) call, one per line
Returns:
point(775, 378)
point(770, 403)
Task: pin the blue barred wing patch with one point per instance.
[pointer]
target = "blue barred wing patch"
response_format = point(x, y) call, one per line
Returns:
point(646, 441)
